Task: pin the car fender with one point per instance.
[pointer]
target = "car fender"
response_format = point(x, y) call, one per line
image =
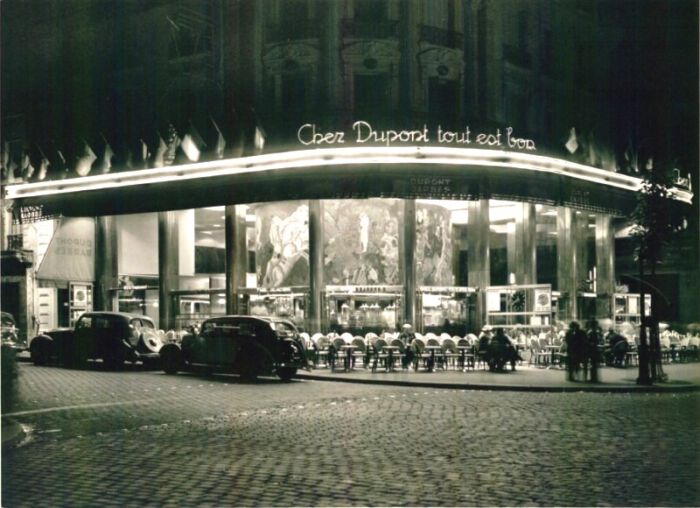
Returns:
point(42, 345)
point(305, 363)
point(170, 346)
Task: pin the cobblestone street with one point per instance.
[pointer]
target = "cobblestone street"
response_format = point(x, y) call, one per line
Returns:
point(140, 438)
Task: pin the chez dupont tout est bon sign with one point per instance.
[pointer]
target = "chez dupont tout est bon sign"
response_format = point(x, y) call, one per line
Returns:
point(362, 132)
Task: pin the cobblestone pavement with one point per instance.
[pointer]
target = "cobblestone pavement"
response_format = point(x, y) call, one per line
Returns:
point(140, 438)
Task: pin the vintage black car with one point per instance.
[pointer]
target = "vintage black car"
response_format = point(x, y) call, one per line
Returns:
point(10, 336)
point(245, 345)
point(113, 337)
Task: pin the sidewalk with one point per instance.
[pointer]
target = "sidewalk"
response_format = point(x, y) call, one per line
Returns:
point(682, 377)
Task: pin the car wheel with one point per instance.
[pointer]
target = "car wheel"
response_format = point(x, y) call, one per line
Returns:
point(39, 352)
point(171, 359)
point(286, 373)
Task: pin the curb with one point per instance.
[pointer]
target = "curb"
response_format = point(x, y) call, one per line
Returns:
point(583, 387)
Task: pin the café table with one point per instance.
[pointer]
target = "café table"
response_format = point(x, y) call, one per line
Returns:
point(432, 350)
point(347, 361)
point(466, 357)
point(391, 351)
point(551, 349)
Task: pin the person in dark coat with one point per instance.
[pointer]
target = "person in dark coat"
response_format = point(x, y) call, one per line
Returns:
point(501, 351)
point(593, 339)
point(575, 340)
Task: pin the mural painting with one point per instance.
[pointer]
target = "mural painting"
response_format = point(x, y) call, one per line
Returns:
point(433, 253)
point(282, 244)
point(361, 241)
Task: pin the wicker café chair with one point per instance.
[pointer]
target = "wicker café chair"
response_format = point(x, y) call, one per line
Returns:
point(359, 350)
point(449, 352)
point(380, 356)
point(321, 342)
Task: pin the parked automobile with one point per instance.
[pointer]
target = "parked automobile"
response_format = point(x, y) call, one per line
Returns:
point(10, 337)
point(113, 337)
point(245, 345)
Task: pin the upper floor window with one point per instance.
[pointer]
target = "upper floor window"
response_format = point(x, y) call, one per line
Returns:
point(442, 102)
point(372, 98)
point(370, 10)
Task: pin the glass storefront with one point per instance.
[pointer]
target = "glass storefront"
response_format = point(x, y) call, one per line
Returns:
point(363, 252)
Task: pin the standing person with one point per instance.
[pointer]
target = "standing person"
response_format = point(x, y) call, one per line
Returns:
point(593, 339)
point(576, 350)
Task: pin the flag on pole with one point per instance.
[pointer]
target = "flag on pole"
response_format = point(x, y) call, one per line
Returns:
point(173, 142)
point(83, 164)
point(8, 165)
point(220, 142)
point(43, 167)
point(106, 161)
point(145, 154)
point(571, 144)
point(259, 139)
point(61, 167)
point(26, 168)
point(190, 148)
point(632, 157)
point(192, 144)
point(159, 157)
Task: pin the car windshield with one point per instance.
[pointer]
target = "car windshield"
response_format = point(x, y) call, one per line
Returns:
point(282, 328)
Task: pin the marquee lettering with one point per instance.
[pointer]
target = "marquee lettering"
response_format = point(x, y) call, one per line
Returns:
point(363, 132)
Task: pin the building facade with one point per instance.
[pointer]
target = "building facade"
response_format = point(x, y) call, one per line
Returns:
point(358, 164)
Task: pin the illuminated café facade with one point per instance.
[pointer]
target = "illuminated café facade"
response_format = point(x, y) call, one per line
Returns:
point(389, 189)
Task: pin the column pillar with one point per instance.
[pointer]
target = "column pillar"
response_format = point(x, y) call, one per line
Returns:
point(567, 263)
point(479, 268)
point(407, 260)
point(605, 265)
point(526, 244)
point(106, 263)
point(168, 266)
point(316, 282)
point(236, 254)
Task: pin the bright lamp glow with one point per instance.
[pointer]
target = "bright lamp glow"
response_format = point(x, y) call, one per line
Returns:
point(332, 158)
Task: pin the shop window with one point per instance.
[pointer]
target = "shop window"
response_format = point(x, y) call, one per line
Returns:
point(209, 259)
point(499, 266)
point(547, 264)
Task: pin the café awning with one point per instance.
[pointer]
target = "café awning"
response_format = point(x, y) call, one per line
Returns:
point(431, 172)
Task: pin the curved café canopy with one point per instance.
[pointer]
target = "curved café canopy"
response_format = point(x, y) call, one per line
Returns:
point(357, 172)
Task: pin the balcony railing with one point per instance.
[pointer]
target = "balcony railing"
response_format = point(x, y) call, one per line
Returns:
point(517, 56)
point(379, 29)
point(441, 37)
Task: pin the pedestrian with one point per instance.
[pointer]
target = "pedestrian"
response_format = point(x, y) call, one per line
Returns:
point(593, 339)
point(575, 340)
